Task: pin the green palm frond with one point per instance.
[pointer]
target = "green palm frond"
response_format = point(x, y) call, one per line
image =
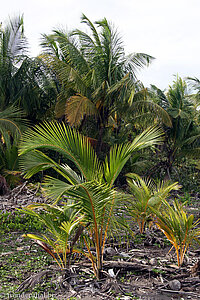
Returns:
point(96, 37)
point(146, 195)
point(191, 153)
point(91, 191)
point(36, 161)
point(120, 154)
point(152, 108)
point(55, 188)
point(95, 66)
point(67, 142)
point(61, 224)
point(178, 227)
point(12, 120)
point(135, 61)
point(94, 199)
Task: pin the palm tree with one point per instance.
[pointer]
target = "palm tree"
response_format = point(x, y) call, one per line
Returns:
point(146, 195)
point(12, 124)
point(26, 92)
point(13, 48)
point(89, 186)
point(178, 227)
point(23, 80)
point(95, 75)
point(194, 83)
point(183, 138)
point(185, 133)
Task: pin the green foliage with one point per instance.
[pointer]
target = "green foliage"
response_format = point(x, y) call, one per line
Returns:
point(12, 124)
point(96, 76)
point(12, 52)
point(179, 228)
point(146, 195)
point(179, 154)
point(15, 221)
point(60, 224)
point(90, 184)
point(24, 82)
point(22, 94)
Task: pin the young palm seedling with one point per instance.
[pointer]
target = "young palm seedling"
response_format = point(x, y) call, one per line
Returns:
point(90, 184)
point(63, 229)
point(146, 194)
point(179, 228)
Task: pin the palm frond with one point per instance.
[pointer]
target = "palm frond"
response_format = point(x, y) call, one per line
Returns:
point(12, 120)
point(119, 154)
point(135, 61)
point(84, 19)
point(67, 142)
point(179, 228)
point(156, 111)
point(147, 194)
point(77, 107)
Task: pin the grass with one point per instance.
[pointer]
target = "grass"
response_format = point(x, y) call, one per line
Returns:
point(16, 221)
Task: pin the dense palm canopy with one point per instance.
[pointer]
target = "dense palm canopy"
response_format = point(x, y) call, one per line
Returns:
point(12, 53)
point(183, 138)
point(12, 124)
point(25, 92)
point(23, 81)
point(96, 76)
point(185, 133)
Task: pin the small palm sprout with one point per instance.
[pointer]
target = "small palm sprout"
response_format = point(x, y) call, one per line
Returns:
point(146, 194)
point(63, 229)
point(179, 228)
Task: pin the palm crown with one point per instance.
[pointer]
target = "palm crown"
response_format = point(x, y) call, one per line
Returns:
point(95, 75)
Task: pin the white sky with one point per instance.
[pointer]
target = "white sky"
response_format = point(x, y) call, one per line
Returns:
point(166, 29)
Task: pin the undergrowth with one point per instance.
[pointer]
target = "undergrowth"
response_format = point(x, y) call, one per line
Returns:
point(16, 221)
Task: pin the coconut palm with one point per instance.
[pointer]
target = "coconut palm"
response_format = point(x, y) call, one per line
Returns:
point(23, 80)
point(13, 47)
point(89, 184)
point(60, 224)
point(95, 75)
point(25, 91)
point(183, 138)
point(179, 228)
point(146, 195)
point(194, 83)
point(12, 124)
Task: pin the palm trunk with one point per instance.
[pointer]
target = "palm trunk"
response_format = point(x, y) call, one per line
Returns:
point(100, 140)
